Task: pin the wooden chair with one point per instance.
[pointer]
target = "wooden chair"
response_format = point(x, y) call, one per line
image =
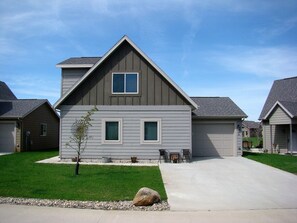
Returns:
point(186, 154)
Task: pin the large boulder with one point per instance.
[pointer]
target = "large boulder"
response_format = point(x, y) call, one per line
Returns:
point(146, 196)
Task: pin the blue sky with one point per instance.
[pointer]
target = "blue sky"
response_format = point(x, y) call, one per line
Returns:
point(233, 48)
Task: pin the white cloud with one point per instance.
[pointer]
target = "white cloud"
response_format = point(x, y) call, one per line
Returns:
point(279, 27)
point(275, 62)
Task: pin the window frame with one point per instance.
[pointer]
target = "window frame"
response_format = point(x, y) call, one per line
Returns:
point(43, 130)
point(125, 74)
point(104, 140)
point(142, 131)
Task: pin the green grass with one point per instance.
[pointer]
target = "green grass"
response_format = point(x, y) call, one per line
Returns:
point(255, 140)
point(284, 162)
point(20, 176)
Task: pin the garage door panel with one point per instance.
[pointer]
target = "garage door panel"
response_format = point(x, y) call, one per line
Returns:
point(213, 139)
point(7, 137)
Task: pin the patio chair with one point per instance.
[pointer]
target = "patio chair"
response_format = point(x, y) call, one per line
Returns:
point(186, 155)
point(163, 153)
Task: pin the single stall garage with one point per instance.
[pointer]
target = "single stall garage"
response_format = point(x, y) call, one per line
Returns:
point(216, 127)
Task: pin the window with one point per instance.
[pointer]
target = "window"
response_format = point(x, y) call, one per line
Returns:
point(112, 131)
point(151, 131)
point(43, 129)
point(125, 83)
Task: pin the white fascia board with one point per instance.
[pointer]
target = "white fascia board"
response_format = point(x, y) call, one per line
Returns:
point(274, 106)
point(141, 53)
point(74, 65)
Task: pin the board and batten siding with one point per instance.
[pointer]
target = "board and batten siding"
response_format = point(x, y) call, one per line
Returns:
point(175, 131)
point(154, 89)
point(70, 76)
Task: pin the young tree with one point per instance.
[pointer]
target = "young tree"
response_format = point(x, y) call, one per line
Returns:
point(78, 139)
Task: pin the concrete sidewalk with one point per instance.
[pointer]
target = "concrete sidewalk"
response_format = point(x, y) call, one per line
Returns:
point(233, 183)
point(31, 214)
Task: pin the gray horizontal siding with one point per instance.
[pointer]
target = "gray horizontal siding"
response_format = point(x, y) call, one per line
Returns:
point(275, 134)
point(70, 76)
point(175, 130)
point(279, 117)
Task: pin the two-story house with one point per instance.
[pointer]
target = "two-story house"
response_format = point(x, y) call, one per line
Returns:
point(141, 109)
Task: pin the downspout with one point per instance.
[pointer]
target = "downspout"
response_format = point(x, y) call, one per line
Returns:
point(271, 141)
point(21, 134)
point(291, 141)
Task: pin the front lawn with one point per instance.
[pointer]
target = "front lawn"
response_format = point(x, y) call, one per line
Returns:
point(20, 176)
point(284, 162)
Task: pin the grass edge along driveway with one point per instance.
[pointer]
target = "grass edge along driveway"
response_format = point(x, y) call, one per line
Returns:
point(20, 176)
point(284, 162)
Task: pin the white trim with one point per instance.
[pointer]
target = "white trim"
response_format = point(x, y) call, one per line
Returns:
point(74, 65)
point(273, 107)
point(124, 38)
point(125, 74)
point(159, 129)
point(120, 130)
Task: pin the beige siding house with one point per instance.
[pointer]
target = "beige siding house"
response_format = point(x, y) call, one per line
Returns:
point(140, 108)
point(279, 117)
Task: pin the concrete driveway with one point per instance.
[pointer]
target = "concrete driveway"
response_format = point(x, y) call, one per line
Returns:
point(234, 183)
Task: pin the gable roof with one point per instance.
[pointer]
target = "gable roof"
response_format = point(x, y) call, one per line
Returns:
point(78, 62)
point(217, 107)
point(290, 108)
point(251, 124)
point(20, 108)
point(106, 55)
point(5, 92)
point(283, 91)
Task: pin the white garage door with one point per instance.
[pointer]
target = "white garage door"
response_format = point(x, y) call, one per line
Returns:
point(213, 139)
point(7, 137)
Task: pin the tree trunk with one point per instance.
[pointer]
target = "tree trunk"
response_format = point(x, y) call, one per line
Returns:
point(77, 165)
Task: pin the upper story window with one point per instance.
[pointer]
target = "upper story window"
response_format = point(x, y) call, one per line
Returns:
point(125, 83)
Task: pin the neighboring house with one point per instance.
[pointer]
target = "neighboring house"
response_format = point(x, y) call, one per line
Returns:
point(26, 124)
point(251, 129)
point(141, 110)
point(279, 117)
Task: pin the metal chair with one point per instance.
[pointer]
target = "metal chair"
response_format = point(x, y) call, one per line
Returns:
point(186, 154)
point(163, 153)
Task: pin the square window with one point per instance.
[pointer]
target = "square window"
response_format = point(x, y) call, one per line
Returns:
point(112, 131)
point(125, 83)
point(43, 129)
point(150, 131)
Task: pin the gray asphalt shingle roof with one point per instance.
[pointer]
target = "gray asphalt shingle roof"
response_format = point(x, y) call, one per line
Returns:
point(217, 107)
point(18, 108)
point(251, 124)
point(5, 92)
point(80, 60)
point(284, 91)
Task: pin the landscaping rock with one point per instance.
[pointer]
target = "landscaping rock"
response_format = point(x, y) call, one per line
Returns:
point(146, 197)
point(100, 205)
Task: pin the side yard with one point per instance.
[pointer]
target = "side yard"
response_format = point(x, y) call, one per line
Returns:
point(20, 176)
point(284, 162)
